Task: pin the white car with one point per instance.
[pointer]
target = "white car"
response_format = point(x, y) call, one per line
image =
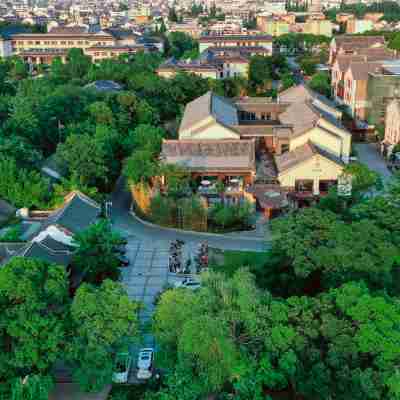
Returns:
point(145, 363)
point(188, 283)
point(121, 368)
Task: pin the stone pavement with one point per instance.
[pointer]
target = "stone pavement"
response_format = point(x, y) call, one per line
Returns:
point(146, 275)
point(368, 154)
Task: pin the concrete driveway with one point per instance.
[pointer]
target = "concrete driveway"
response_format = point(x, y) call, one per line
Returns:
point(128, 225)
point(368, 154)
point(147, 273)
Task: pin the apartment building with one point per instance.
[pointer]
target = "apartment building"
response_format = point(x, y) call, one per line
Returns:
point(100, 44)
point(355, 95)
point(264, 41)
point(318, 27)
point(274, 27)
point(355, 25)
point(342, 62)
point(383, 87)
point(368, 87)
point(215, 63)
point(345, 45)
point(392, 127)
point(171, 67)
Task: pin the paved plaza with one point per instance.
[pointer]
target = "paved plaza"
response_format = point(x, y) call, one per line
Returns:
point(147, 273)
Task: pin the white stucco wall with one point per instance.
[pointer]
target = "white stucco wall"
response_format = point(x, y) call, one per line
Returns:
point(321, 138)
point(316, 169)
point(345, 135)
point(212, 130)
point(216, 132)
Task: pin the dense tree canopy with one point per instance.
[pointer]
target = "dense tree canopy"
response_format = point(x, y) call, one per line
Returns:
point(95, 257)
point(104, 321)
point(319, 347)
point(39, 327)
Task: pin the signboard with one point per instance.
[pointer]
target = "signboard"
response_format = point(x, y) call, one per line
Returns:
point(344, 185)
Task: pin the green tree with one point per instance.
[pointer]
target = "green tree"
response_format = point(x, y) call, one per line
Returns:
point(141, 167)
point(179, 43)
point(287, 80)
point(308, 65)
point(395, 42)
point(101, 113)
point(172, 15)
point(21, 187)
point(33, 300)
point(85, 157)
point(19, 69)
point(95, 257)
point(20, 150)
point(320, 82)
point(145, 137)
point(78, 64)
point(32, 387)
point(260, 71)
point(177, 180)
point(316, 250)
point(207, 349)
point(364, 180)
point(104, 321)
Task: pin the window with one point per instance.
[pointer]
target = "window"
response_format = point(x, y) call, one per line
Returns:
point(37, 42)
point(304, 185)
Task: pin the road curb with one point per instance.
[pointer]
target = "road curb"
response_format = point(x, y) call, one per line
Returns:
point(204, 234)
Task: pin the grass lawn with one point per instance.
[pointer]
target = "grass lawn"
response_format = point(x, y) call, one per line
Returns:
point(229, 261)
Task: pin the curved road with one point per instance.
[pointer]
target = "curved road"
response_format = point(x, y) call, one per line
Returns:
point(125, 223)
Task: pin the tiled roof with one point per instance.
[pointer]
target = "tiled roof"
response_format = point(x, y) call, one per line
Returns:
point(209, 105)
point(8, 250)
point(37, 250)
point(237, 49)
point(295, 94)
point(269, 195)
point(61, 30)
point(301, 116)
point(78, 212)
point(290, 159)
point(360, 70)
point(55, 245)
point(343, 61)
point(359, 41)
point(303, 93)
point(225, 38)
point(210, 154)
point(104, 86)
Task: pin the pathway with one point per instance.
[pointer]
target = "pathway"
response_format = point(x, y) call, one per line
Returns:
point(128, 225)
point(368, 154)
